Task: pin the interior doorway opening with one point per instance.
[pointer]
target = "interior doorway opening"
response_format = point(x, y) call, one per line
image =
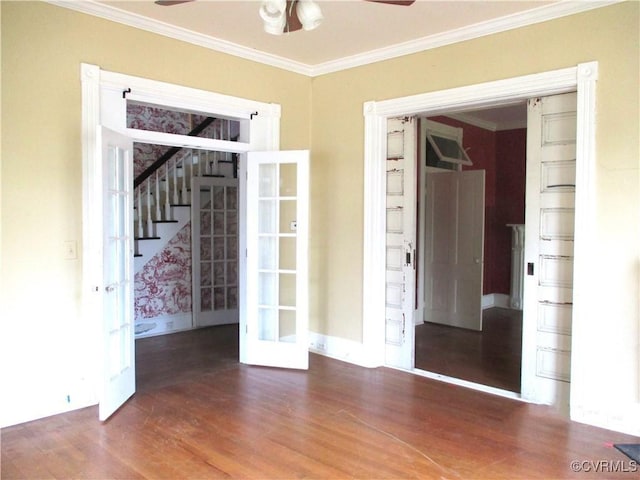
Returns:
point(580, 79)
point(483, 345)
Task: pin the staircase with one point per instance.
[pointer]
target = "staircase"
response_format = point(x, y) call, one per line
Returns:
point(162, 207)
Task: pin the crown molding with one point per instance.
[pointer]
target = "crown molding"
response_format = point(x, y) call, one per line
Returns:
point(542, 14)
point(117, 15)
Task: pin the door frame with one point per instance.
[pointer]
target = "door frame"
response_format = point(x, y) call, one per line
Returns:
point(581, 78)
point(104, 95)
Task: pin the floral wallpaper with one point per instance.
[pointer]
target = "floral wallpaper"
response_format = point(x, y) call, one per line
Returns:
point(163, 286)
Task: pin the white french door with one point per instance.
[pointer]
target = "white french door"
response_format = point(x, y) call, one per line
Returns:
point(118, 373)
point(214, 222)
point(274, 318)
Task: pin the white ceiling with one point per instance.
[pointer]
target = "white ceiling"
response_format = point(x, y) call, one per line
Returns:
point(354, 32)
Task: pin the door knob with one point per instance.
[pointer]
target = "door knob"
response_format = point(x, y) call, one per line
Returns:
point(110, 288)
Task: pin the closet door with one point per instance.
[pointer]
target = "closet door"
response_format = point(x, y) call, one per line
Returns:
point(214, 214)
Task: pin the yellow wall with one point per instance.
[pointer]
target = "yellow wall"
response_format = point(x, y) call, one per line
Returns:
point(338, 129)
point(610, 35)
point(42, 48)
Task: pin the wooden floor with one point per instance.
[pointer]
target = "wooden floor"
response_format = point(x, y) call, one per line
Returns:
point(200, 414)
point(491, 357)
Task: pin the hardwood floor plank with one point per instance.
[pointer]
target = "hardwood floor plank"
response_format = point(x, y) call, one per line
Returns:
point(200, 414)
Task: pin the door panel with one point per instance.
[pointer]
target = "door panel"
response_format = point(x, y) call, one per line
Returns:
point(401, 242)
point(454, 243)
point(275, 325)
point(548, 284)
point(118, 375)
point(214, 220)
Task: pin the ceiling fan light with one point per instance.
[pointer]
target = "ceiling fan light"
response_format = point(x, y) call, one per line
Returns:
point(309, 14)
point(274, 16)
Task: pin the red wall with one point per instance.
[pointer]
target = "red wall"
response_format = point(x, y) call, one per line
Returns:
point(502, 155)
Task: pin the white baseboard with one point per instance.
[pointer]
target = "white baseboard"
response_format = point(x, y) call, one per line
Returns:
point(495, 300)
point(340, 349)
point(150, 327)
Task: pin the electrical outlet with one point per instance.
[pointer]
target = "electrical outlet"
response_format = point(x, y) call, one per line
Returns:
point(293, 225)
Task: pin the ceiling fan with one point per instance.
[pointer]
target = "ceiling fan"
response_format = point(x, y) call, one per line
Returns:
point(280, 16)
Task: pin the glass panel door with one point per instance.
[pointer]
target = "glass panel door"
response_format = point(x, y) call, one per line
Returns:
point(276, 320)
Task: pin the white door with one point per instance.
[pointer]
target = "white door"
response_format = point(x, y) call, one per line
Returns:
point(401, 242)
point(454, 246)
point(274, 320)
point(549, 232)
point(118, 374)
point(214, 234)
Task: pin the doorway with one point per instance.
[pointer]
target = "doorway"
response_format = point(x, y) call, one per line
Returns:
point(581, 78)
point(466, 208)
point(104, 99)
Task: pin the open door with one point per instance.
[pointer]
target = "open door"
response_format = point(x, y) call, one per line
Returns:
point(274, 318)
point(454, 243)
point(118, 374)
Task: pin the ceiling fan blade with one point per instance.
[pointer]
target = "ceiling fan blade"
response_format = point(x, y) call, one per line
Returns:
point(293, 22)
point(168, 3)
point(404, 3)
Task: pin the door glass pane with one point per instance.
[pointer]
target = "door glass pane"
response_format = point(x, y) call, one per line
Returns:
point(287, 325)
point(112, 162)
point(267, 216)
point(288, 179)
point(205, 299)
point(267, 289)
point(122, 216)
point(287, 289)
point(287, 216)
point(121, 169)
point(267, 324)
point(267, 180)
point(287, 257)
point(267, 253)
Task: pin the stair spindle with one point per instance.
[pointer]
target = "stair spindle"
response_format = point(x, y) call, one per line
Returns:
point(149, 220)
point(185, 176)
point(139, 229)
point(176, 198)
point(157, 212)
point(167, 201)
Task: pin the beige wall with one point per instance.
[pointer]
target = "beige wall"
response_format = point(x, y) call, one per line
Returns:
point(42, 47)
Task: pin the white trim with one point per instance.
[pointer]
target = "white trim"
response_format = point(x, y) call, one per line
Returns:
point(581, 78)
point(498, 92)
point(491, 300)
point(102, 103)
point(472, 385)
point(509, 22)
point(115, 14)
point(503, 24)
point(340, 349)
point(164, 324)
